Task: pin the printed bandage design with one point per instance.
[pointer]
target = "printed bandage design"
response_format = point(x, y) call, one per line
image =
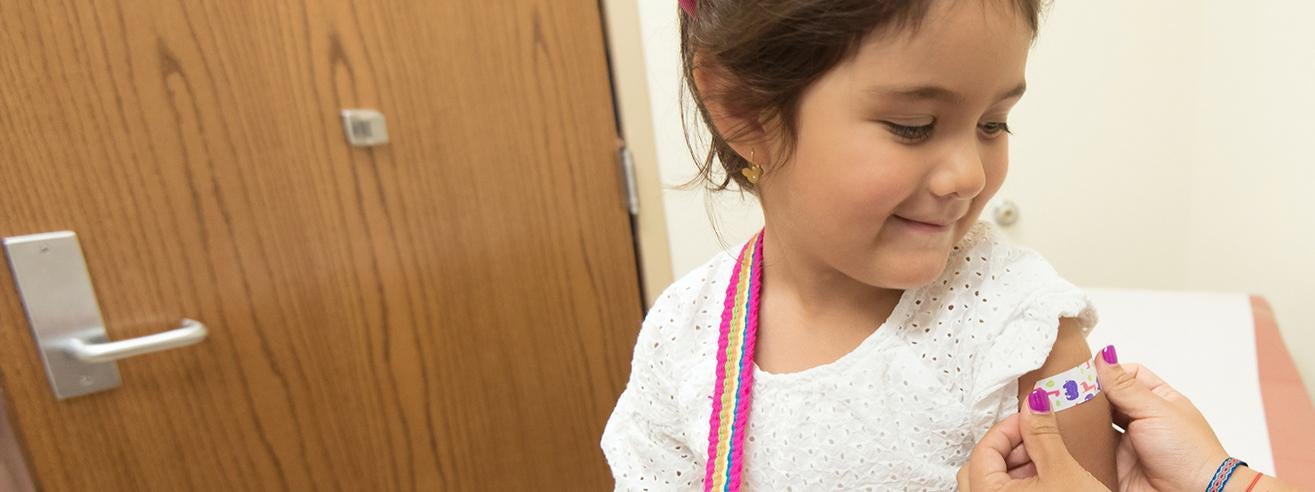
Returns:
point(1072, 387)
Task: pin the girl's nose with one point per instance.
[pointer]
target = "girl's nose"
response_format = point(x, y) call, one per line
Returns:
point(962, 175)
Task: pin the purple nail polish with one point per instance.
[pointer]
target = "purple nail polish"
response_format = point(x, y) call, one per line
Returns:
point(1110, 355)
point(1039, 401)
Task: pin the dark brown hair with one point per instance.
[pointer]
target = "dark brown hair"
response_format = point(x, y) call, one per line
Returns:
point(769, 51)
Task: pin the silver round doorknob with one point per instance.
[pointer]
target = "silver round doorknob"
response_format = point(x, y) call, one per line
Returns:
point(1006, 213)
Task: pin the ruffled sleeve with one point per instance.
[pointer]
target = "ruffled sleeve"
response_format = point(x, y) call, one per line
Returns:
point(642, 441)
point(1036, 298)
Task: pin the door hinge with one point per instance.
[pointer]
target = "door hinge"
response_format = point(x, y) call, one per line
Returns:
point(629, 186)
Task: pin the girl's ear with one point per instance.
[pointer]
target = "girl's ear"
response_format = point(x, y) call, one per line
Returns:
point(742, 130)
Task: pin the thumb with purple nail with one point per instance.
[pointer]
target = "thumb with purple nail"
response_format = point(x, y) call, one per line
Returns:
point(1051, 466)
point(1166, 445)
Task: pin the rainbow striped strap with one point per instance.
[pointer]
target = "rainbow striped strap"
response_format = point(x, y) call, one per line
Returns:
point(730, 397)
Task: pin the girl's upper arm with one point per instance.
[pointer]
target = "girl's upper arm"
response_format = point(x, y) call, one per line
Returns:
point(643, 449)
point(642, 441)
point(1087, 428)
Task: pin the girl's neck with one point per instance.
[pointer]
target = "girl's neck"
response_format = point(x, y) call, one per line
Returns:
point(815, 289)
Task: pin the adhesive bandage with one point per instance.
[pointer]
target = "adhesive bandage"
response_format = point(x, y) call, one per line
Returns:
point(1072, 387)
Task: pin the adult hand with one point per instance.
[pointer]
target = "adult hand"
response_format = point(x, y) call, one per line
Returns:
point(999, 462)
point(1167, 443)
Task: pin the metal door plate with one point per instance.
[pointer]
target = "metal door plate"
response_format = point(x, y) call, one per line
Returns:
point(53, 282)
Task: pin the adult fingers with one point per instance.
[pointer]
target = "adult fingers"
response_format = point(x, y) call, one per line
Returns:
point(1157, 386)
point(987, 463)
point(1040, 432)
point(1018, 457)
point(1128, 391)
point(1022, 472)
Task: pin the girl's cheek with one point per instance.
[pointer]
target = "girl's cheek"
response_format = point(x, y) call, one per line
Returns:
point(878, 200)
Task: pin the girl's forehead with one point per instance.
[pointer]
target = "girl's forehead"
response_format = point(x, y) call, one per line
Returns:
point(974, 42)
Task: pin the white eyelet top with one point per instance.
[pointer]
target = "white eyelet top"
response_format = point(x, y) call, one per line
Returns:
point(901, 411)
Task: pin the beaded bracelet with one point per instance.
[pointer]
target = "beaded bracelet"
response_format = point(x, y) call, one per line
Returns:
point(1223, 474)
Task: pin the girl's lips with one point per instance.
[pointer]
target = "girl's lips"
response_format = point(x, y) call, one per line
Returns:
point(921, 226)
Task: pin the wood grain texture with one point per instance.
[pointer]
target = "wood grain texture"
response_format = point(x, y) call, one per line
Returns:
point(452, 311)
point(14, 473)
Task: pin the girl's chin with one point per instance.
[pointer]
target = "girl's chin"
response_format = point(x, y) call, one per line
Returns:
point(911, 272)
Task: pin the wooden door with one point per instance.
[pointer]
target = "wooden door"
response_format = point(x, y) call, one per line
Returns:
point(450, 311)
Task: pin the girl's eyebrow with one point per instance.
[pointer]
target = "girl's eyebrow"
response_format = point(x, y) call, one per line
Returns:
point(938, 93)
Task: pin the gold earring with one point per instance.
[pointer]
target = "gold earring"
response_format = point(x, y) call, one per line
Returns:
point(753, 172)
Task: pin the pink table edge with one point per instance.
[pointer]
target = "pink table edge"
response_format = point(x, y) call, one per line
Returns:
point(1289, 413)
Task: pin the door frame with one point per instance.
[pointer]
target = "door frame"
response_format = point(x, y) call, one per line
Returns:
point(635, 117)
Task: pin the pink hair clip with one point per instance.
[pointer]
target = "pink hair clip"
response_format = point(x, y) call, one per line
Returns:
point(689, 6)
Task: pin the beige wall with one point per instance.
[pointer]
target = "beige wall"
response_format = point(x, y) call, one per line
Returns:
point(1161, 145)
point(1253, 221)
point(1166, 145)
point(629, 80)
point(691, 212)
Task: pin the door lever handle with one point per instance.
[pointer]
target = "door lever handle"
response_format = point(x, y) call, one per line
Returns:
point(189, 333)
point(52, 279)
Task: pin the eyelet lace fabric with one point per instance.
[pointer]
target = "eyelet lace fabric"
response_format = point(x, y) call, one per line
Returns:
point(901, 411)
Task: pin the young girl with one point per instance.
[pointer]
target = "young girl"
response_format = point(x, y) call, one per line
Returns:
point(877, 328)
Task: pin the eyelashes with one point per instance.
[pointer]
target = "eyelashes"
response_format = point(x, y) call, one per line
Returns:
point(995, 128)
point(918, 134)
point(911, 134)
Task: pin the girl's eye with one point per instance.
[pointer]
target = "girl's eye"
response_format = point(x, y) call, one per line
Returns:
point(994, 128)
point(910, 134)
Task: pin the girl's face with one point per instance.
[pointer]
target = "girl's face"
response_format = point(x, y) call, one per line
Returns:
point(899, 148)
